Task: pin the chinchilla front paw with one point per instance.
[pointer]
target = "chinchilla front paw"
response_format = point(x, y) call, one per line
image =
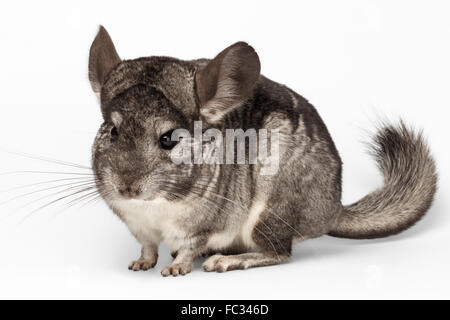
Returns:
point(176, 269)
point(142, 264)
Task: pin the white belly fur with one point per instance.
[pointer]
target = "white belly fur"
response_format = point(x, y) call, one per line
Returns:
point(158, 220)
point(154, 221)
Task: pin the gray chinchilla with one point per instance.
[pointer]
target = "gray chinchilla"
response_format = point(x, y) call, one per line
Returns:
point(231, 211)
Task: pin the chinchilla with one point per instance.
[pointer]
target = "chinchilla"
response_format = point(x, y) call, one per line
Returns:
point(231, 212)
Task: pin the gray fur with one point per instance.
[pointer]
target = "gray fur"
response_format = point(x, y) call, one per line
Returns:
point(409, 186)
point(232, 209)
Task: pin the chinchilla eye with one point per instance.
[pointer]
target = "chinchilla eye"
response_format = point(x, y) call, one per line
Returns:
point(165, 141)
point(114, 134)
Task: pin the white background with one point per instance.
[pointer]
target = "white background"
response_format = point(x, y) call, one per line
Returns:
point(356, 61)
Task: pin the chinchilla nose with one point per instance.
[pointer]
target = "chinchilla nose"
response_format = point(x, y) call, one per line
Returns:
point(130, 191)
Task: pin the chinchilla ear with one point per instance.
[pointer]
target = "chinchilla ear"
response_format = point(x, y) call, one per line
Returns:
point(102, 59)
point(227, 81)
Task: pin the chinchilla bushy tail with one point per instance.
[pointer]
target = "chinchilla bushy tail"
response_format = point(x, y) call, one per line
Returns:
point(409, 186)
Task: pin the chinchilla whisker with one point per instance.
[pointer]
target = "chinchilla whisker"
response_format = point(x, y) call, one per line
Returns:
point(45, 182)
point(86, 199)
point(77, 200)
point(82, 197)
point(56, 201)
point(46, 159)
point(105, 193)
point(17, 209)
point(91, 197)
point(47, 172)
point(74, 184)
point(45, 197)
point(91, 200)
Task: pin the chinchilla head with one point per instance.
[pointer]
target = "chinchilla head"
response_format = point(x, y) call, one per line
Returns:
point(144, 100)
